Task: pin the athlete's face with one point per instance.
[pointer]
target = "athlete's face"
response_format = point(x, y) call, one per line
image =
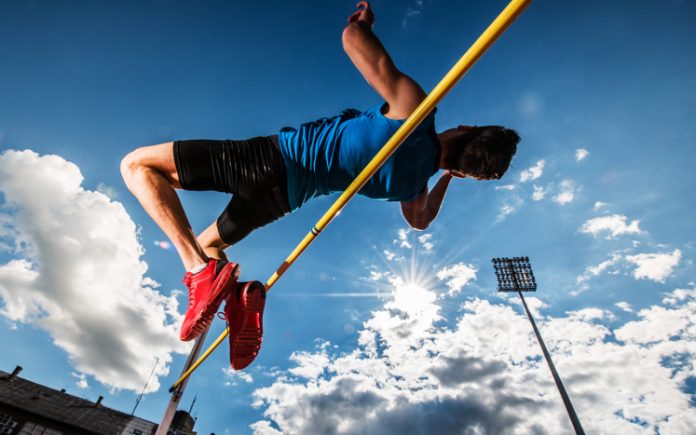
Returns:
point(452, 136)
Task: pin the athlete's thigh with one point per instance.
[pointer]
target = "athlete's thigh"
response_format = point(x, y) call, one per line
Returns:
point(159, 157)
point(240, 167)
point(244, 215)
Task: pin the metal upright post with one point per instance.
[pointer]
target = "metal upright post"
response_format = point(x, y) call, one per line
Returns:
point(515, 274)
point(179, 390)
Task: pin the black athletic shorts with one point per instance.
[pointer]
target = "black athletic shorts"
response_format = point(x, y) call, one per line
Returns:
point(252, 170)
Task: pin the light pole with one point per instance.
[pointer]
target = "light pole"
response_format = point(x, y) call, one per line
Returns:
point(515, 274)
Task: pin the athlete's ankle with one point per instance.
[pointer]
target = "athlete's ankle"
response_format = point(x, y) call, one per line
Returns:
point(200, 268)
point(195, 264)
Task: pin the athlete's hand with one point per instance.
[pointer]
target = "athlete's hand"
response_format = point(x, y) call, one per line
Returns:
point(364, 13)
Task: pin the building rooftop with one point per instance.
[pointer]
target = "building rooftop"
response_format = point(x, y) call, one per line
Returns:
point(57, 405)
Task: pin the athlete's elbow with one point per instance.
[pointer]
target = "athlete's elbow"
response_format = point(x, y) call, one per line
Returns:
point(349, 37)
point(354, 32)
point(421, 227)
point(418, 224)
point(357, 40)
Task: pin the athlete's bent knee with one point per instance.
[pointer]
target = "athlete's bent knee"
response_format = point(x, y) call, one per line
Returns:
point(153, 159)
point(130, 165)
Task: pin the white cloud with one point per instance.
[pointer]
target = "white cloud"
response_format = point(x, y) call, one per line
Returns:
point(376, 275)
point(539, 193)
point(457, 276)
point(506, 187)
point(234, 377)
point(107, 190)
point(78, 274)
point(534, 304)
point(590, 272)
point(593, 271)
point(309, 365)
point(425, 241)
point(581, 153)
point(590, 314)
point(510, 206)
point(566, 194)
point(624, 306)
point(680, 295)
point(614, 225)
point(533, 173)
point(81, 383)
point(599, 204)
point(505, 210)
point(670, 326)
point(655, 266)
point(264, 427)
point(412, 11)
point(403, 239)
point(485, 375)
point(389, 255)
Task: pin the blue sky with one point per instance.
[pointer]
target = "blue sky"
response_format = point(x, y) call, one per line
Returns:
point(600, 196)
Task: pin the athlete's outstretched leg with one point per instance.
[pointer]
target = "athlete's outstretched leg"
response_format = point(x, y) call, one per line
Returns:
point(150, 174)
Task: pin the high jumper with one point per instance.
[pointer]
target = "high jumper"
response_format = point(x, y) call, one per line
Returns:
point(274, 175)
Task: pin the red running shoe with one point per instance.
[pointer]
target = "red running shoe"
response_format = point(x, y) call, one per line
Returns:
point(207, 289)
point(244, 313)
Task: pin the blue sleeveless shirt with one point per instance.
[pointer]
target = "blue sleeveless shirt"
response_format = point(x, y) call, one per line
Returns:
point(326, 155)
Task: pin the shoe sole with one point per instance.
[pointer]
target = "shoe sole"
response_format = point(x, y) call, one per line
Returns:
point(246, 343)
point(222, 290)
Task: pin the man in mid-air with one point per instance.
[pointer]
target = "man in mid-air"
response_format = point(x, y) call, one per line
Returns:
point(272, 176)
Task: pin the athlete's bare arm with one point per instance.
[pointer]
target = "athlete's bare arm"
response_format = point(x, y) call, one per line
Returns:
point(369, 56)
point(420, 212)
point(401, 93)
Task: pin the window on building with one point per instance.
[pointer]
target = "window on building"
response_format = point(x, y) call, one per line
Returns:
point(30, 428)
point(137, 432)
point(7, 424)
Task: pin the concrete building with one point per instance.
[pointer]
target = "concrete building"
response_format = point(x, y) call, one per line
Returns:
point(27, 408)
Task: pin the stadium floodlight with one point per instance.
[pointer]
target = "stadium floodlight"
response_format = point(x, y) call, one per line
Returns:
point(515, 275)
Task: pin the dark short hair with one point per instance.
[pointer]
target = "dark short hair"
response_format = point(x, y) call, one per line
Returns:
point(486, 152)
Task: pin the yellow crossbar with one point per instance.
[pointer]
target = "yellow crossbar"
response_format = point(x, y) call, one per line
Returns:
point(487, 38)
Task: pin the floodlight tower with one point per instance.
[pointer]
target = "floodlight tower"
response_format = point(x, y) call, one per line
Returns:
point(515, 274)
